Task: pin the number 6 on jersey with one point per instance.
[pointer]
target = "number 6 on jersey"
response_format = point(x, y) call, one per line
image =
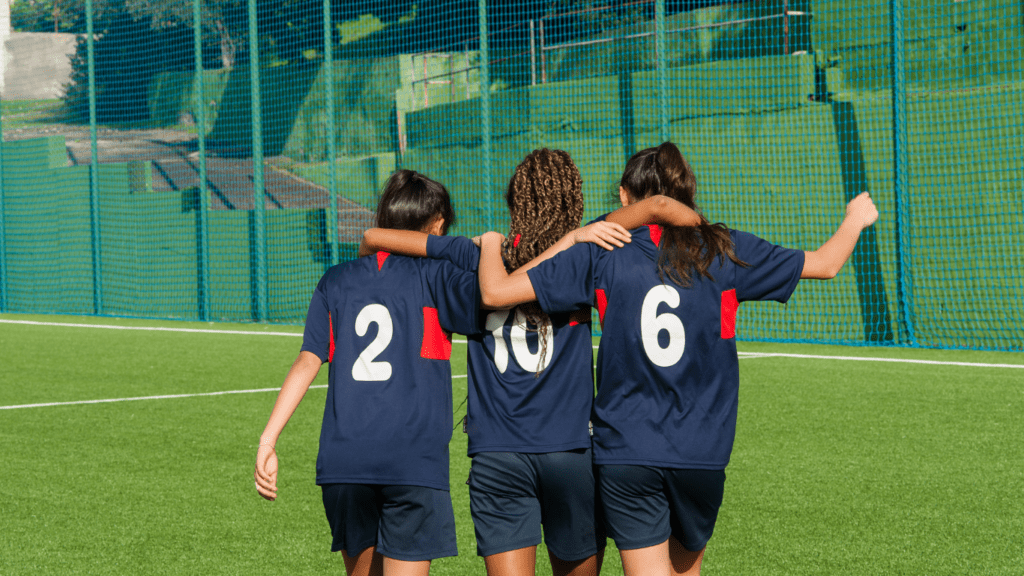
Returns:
point(652, 323)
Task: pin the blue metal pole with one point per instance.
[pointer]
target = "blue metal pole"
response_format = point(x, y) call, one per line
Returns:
point(659, 42)
point(485, 112)
point(333, 237)
point(900, 167)
point(94, 167)
point(259, 224)
point(203, 244)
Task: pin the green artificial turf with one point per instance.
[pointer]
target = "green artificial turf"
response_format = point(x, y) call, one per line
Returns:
point(839, 467)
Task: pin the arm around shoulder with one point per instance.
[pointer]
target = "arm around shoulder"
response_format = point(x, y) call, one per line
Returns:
point(405, 242)
point(657, 208)
point(497, 288)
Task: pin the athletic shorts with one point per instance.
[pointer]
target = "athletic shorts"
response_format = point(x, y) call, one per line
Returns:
point(512, 494)
point(643, 505)
point(404, 522)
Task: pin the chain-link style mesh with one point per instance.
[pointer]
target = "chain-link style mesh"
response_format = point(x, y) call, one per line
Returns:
point(164, 168)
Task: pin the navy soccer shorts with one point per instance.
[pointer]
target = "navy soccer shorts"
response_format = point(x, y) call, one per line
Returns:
point(643, 505)
point(512, 494)
point(404, 522)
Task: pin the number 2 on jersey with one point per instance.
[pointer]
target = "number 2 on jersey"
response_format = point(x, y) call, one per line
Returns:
point(652, 323)
point(366, 369)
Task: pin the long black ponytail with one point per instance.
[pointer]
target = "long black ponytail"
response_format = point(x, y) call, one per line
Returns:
point(686, 251)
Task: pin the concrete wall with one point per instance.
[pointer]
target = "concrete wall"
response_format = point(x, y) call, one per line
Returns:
point(38, 65)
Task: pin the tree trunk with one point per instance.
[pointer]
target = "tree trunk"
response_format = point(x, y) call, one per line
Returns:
point(227, 45)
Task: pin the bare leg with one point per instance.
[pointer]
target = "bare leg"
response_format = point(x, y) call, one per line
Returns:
point(521, 562)
point(394, 567)
point(366, 563)
point(684, 562)
point(587, 567)
point(650, 561)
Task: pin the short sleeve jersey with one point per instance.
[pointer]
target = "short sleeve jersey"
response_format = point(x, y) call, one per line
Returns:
point(384, 323)
point(667, 370)
point(512, 408)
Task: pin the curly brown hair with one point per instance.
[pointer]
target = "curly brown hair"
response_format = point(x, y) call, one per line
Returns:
point(545, 202)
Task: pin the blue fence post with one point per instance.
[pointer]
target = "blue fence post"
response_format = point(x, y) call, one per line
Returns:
point(333, 235)
point(259, 238)
point(94, 167)
point(485, 113)
point(660, 47)
point(202, 222)
point(3, 230)
point(900, 166)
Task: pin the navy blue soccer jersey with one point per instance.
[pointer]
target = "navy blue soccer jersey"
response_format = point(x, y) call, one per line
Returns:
point(667, 371)
point(512, 408)
point(384, 323)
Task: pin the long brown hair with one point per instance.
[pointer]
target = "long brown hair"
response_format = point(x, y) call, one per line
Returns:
point(545, 202)
point(686, 251)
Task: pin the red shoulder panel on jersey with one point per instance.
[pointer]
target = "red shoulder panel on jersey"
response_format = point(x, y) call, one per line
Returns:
point(655, 234)
point(330, 350)
point(729, 307)
point(437, 342)
point(381, 257)
point(602, 304)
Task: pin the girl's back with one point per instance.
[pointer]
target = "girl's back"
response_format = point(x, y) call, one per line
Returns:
point(667, 371)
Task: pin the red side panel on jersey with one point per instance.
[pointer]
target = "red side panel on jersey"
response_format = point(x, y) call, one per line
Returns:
point(602, 304)
point(729, 306)
point(381, 257)
point(330, 350)
point(655, 234)
point(437, 342)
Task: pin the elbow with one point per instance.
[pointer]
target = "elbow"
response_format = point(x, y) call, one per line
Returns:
point(492, 299)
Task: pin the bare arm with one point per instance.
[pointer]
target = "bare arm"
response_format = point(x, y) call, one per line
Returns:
point(303, 372)
point(614, 232)
point(607, 235)
point(657, 208)
point(825, 262)
point(404, 242)
point(497, 288)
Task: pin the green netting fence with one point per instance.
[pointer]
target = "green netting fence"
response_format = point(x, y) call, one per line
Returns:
point(210, 159)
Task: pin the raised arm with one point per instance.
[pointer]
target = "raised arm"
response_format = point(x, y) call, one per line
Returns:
point(825, 262)
point(657, 208)
point(497, 288)
point(296, 383)
point(404, 242)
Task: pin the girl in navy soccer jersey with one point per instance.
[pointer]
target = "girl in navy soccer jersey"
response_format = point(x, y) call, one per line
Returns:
point(383, 323)
point(530, 383)
point(668, 376)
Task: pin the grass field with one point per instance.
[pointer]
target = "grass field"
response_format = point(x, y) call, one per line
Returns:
point(840, 466)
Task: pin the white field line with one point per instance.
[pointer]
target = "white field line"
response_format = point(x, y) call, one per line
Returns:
point(151, 328)
point(741, 354)
point(875, 359)
point(162, 397)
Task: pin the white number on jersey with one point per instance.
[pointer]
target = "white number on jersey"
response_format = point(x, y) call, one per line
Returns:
point(652, 323)
point(365, 369)
point(529, 361)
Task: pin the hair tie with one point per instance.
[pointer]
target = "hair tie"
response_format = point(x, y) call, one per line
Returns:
point(515, 242)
